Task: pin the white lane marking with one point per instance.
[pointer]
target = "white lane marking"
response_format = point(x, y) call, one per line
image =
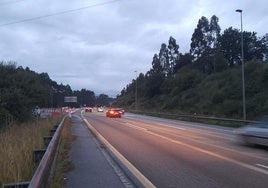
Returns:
point(135, 127)
point(191, 125)
point(198, 141)
point(209, 132)
point(263, 166)
point(180, 128)
point(248, 166)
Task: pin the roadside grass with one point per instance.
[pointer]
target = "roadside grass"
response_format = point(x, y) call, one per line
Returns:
point(63, 165)
point(17, 143)
point(189, 119)
point(206, 121)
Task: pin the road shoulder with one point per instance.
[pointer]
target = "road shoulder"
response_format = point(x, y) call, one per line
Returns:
point(92, 169)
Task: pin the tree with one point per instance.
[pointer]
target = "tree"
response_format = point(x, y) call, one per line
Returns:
point(85, 97)
point(253, 48)
point(264, 41)
point(214, 32)
point(156, 65)
point(154, 84)
point(221, 62)
point(199, 39)
point(230, 45)
point(21, 91)
point(185, 59)
point(103, 100)
point(205, 43)
point(167, 58)
point(173, 54)
point(164, 59)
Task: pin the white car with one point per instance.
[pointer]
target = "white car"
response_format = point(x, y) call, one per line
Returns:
point(99, 109)
point(254, 134)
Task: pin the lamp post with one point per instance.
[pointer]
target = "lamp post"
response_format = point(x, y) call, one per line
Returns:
point(136, 92)
point(242, 62)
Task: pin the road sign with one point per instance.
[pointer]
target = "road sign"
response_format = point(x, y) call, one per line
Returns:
point(70, 99)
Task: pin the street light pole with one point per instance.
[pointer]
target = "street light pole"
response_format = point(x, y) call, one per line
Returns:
point(136, 92)
point(242, 61)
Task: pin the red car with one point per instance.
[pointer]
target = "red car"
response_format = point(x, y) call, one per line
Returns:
point(114, 113)
point(122, 111)
point(88, 109)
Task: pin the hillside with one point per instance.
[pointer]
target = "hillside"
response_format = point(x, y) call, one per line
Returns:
point(217, 94)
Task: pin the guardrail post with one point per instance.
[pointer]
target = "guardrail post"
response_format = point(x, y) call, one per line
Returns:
point(38, 154)
point(17, 185)
point(46, 140)
point(52, 132)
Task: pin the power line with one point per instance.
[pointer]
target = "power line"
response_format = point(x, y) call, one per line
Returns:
point(58, 13)
point(10, 2)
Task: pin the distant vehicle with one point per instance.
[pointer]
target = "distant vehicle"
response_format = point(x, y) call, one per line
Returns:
point(37, 111)
point(254, 134)
point(114, 113)
point(122, 111)
point(88, 109)
point(99, 109)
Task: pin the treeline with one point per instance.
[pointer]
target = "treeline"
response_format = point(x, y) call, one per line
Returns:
point(21, 90)
point(206, 80)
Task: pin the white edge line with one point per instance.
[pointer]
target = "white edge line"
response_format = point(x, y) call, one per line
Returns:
point(263, 166)
point(132, 168)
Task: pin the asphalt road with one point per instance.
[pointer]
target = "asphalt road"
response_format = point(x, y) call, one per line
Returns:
point(92, 165)
point(179, 154)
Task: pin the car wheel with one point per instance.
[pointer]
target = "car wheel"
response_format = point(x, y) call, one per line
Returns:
point(247, 140)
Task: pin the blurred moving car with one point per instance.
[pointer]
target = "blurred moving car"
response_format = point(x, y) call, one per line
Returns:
point(254, 134)
point(122, 111)
point(88, 109)
point(99, 109)
point(114, 113)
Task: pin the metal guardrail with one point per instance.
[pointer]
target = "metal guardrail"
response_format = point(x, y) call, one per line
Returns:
point(41, 176)
point(196, 117)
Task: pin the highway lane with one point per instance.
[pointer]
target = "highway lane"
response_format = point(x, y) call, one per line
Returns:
point(179, 154)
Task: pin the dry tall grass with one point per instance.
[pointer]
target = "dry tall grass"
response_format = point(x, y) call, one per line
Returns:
point(17, 143)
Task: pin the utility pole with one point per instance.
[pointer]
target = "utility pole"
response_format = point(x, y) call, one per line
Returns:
point(243, 68)
point(136, 92)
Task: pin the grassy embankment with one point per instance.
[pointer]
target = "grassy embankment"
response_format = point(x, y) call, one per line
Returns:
point(17, 143)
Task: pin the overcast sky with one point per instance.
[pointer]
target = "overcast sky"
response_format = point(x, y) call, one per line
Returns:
point(99, 44)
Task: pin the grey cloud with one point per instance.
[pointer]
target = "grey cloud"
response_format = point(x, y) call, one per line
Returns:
point(99, 48)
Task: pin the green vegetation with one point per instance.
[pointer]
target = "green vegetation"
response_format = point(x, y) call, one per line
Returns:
point(207, 80)
point(21, 90)
point(17, 143)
